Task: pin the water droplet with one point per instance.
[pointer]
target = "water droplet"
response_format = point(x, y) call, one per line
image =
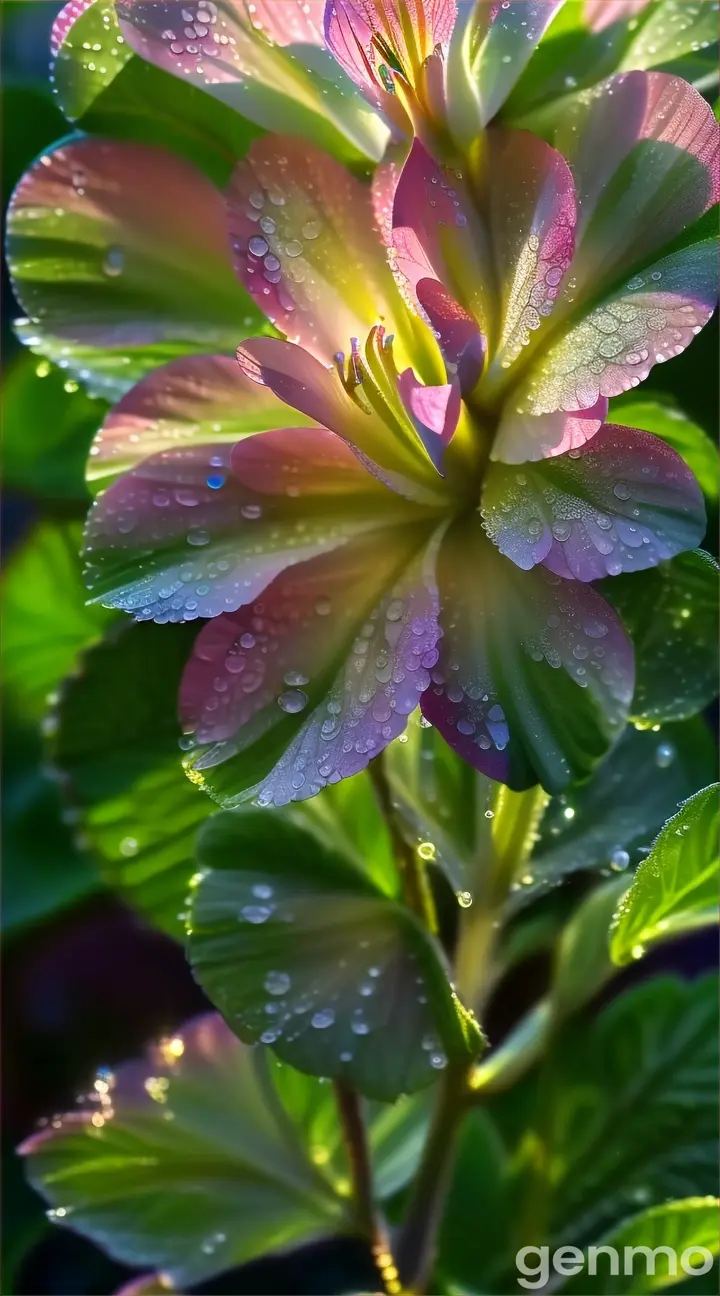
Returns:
point(619, 860)
point(277, 983)
point(665, 755)
point(292, 701)
point(321, 1020)
point(464, 899)
point(114, 262)
point(426, 851)
point(255, 913)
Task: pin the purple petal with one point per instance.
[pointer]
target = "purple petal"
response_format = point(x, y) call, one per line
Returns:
point(410, 29)
point(187, 402)
point(461, 342)
point(621, 504)
point(600, 14)
point(535, 675)
point(337, 652)
point(68, 15)
point(190, 533)
point(434, 412)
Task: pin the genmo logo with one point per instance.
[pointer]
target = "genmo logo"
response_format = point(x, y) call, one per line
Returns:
point(536, 1263)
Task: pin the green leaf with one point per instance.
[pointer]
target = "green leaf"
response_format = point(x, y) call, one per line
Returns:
point(48, 425)
point(659, 414)
point(46, 620)
point(117, 748)
point(476, 1208)
point(680, 1225)
point(671, 614)
point(606, 821)
point(301, 950)
point(88, 59)
point(675, 889)
point(190, 1161)
point(43, 871)
point(582, 960)
point(631, 1113)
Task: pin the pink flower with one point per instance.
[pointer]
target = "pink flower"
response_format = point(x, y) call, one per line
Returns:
point(339, 555)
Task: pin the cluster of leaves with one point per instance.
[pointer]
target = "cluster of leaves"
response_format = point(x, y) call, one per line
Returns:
point(580, 1127)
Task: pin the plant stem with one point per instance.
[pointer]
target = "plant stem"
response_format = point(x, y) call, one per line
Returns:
point(416, 1243)
point(353, 1128)
point(416, 886)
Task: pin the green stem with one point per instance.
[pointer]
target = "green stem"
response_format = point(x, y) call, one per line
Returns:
point(416, 1242)
point(353, 1128)
point(416, 886)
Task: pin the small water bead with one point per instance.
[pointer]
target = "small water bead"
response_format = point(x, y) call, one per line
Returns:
point(277, 983)
point(426, 851)
point(258, 246)
point(568, 813)
point(321, 1020)
point(295, 678)
point(489, 814)
point(215, 480)
point(619, 860)
point(255, 913)
point(464, 899)
point(665, 755)
point(251, 512)
point(294, 248)
point(129, 846)
point(438, 1061)
point(114, 262)
point(359, 1027)
point(622, 491)
point(292, 701)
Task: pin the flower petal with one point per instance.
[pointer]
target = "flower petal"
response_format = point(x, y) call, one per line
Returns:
point(525, 438)
point(305, 245)
point(437, 233)
point(247, 56)
point(188, 533)
point(600, 14)
point(621, 504)
point(369, 38)
point(491, 45)
point(83, 30)
point(310, 683)
point(113, 244)
point(531, 217)
point(535, 676)
point(651, 318)
point(461, 342)
point(190, 401)
point(644, 148)
point(434, 412)
point(303, 383)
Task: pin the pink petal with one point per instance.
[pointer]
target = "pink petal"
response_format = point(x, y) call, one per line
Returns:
point(434, 411)
point(535, 675)
point(334, 656)
point(302, 382)
point(623, 503)
point(305, 245)
point(600, 14)
point(352, 26)
point(525, 438)
point(645, 152)
point(188, 533)
point(652, 318)
point(531, 217)
point(437, 233)
point(138, 248)
point(68, 15)
point(189, 401)
point(461, 341)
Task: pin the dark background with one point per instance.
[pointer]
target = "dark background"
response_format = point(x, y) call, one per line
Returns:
point(85, 983)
